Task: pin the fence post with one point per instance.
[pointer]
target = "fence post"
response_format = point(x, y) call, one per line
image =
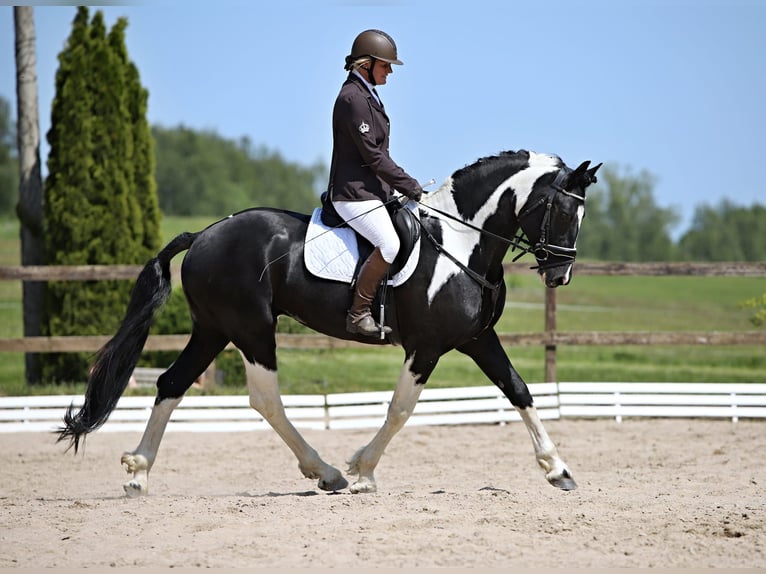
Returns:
point(550, 331)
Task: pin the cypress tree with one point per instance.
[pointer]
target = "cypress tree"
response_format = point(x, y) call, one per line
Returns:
point(100, 202)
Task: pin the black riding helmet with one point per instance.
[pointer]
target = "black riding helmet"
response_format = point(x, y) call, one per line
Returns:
point(377, 45)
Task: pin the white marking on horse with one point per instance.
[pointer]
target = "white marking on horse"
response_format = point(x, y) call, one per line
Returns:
point(402, 404)
point(580, 215)
point(139, 462)
point(263, 387)
point(459, 240)
point(523, 182)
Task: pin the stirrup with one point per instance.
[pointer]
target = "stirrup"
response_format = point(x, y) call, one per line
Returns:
point(364, 324)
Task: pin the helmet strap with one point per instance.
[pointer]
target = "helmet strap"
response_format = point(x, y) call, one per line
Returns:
point(371, 76)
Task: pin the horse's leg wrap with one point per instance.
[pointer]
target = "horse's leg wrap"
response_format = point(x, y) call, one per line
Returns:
point(556, 471)
point(403, 402)
point(264, 398)
point(140, 461)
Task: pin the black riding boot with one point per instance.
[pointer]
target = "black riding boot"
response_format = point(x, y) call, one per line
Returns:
point(359, 318)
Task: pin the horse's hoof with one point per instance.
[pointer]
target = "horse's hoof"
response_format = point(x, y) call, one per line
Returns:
point(135, 489)
point(564, 482)
point(334, 484)
point(363, 487)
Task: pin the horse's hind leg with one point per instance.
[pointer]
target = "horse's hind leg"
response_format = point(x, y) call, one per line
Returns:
point(265, 398)
point(139, 462)
point(171, 385)
point(406, 395)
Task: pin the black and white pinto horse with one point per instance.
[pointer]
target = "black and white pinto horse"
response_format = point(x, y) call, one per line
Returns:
point(241, 273)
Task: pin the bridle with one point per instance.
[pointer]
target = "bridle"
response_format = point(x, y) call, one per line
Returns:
point(542, 249)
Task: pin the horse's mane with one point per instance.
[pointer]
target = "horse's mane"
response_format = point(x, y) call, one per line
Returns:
point(491, 170)
point(443, 196)
point(489, 161)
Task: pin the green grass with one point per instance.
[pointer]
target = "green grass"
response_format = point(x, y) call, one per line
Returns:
point(589, 303)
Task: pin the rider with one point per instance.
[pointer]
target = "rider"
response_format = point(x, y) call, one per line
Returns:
point(363, 175)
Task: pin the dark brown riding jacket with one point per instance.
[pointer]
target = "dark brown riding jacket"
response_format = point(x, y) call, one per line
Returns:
point(362, 168)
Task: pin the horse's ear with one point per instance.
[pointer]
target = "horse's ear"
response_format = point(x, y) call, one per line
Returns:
point(582, 177)
point(591, 173)
point(575, 178)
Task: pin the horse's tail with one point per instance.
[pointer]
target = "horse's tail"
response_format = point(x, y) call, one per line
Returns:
point(116, 360)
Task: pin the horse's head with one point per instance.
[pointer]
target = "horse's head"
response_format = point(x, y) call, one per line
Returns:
point(551, 220)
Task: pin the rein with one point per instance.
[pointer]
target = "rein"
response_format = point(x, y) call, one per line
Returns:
point(541, 250)
point(468, 271)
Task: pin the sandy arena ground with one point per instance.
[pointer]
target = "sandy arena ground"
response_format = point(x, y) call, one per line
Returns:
point(652, 493)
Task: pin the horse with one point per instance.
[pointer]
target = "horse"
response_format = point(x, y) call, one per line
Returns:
point(243, 272)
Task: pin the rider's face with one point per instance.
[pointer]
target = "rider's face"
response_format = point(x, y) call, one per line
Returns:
point(380, 71)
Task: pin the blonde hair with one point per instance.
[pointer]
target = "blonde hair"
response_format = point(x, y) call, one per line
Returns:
point(356, 64)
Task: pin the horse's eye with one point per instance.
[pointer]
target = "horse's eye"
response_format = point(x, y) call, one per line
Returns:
point(565, 218)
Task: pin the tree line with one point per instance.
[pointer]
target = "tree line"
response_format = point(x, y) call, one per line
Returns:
point(195, 173)
point(202, 173)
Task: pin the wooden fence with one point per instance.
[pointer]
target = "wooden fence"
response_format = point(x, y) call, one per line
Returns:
point(550, 338)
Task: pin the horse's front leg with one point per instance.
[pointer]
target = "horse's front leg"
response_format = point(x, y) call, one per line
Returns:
point(489, 355)
point(402, 404)
point(139, 462)
point(265, 398)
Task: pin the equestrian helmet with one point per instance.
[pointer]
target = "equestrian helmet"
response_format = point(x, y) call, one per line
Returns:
point(374, 43)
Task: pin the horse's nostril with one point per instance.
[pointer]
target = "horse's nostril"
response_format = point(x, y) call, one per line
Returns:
point(555, 281)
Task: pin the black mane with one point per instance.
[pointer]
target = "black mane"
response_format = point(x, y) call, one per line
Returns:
point(489, 162)
point(491, 171)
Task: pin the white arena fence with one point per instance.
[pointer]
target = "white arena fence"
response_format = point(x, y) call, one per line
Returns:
point(453, 406)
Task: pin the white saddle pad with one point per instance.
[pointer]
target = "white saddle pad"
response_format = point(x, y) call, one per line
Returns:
point(333, 253)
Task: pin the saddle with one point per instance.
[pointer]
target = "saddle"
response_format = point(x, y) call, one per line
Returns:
point(405, 223)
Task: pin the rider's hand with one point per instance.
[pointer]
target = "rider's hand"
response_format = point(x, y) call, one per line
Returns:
point(415, 195)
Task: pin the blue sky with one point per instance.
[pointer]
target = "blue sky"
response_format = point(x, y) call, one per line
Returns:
point(676, 88)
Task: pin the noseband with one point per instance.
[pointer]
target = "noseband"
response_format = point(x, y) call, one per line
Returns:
point(543, 249)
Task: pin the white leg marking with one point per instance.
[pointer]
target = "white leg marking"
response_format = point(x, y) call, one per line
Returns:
point(140, 461)
point(556, 471)
point(403, 402)
point(265, 398)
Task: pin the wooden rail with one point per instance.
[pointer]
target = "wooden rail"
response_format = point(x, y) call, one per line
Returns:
point(550, 338)
point(130, 272)
point(73, 344)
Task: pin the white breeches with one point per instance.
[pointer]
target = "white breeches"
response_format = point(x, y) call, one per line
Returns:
point(370, 219)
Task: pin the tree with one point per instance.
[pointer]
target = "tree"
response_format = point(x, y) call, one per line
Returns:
point(201, 173)
point(145, 212)
point(29, 207)
point(726, 232)
point(100, 200)
point(622, 221)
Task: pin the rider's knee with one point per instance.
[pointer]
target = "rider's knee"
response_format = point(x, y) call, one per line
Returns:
point(390, 249)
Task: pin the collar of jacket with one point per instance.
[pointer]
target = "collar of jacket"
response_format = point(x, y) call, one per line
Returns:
point(359, 83)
